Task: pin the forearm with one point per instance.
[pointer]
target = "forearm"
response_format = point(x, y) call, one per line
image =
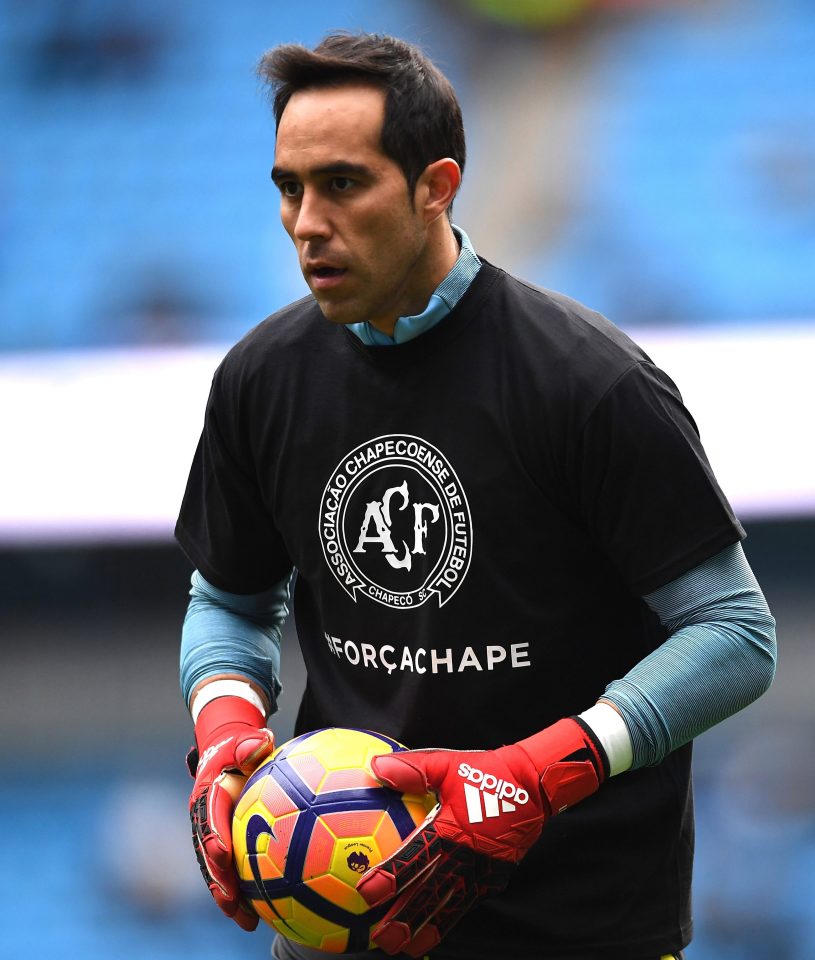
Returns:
point(228, 636)
point(719, 657)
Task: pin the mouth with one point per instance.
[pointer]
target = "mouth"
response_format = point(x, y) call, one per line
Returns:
point(325, 277)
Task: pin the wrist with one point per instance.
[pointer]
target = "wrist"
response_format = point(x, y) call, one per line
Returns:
point(570, 760)
point(222, 711)
point(611, 730)
point(224, 687)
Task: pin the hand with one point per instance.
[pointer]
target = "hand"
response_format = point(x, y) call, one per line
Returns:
point(492, 807)
point(232, 740)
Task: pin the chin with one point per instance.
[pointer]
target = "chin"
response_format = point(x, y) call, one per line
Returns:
point(339, 317)
point(340, 314)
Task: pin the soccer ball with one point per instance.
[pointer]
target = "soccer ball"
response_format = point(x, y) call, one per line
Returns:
point(309, 822)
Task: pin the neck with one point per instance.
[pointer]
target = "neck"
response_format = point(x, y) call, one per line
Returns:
point(437, 260)
point(444, 253)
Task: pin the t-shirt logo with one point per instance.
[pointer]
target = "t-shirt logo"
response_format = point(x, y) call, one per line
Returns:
point(395, 524)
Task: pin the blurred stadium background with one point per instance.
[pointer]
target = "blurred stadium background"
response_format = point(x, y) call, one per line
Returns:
point(655, 159)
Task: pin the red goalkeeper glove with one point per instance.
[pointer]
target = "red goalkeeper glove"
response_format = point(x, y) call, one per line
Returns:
point(231, 741)
point(492, 807)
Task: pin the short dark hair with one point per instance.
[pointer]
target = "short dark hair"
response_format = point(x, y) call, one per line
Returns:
point(422, 114)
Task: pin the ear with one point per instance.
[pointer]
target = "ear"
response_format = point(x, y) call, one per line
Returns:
point(437, 188)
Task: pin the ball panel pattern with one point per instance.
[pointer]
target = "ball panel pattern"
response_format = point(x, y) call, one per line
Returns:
point(310, 822)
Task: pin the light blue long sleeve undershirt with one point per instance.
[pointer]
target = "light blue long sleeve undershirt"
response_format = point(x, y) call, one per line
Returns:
point(233, 633)
point(719, 657)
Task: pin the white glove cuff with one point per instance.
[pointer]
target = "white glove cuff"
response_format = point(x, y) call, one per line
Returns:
point(610, 729)
point(224, 688)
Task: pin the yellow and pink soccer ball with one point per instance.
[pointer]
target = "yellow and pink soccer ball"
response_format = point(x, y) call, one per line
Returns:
point(310, 821)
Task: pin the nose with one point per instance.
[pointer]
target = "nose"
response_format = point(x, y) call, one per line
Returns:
point(311, 221)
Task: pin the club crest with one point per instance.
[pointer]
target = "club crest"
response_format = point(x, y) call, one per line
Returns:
point(395, 524)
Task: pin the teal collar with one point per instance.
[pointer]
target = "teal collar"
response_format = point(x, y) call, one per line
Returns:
point(442, 300)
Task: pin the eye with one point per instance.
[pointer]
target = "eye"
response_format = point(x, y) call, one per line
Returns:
point(289, 189)
point(342, 184)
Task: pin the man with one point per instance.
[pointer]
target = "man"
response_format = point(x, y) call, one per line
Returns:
point(507, 539)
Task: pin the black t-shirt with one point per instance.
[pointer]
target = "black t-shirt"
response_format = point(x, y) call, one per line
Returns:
point(474, 516)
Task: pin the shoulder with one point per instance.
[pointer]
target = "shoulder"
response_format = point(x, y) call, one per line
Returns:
point(565, 324)
point(259, 368)
point(285, 329)
point(556, 335)
point(272, 346)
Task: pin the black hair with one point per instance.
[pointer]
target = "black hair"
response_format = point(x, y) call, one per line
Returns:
point(423, 120)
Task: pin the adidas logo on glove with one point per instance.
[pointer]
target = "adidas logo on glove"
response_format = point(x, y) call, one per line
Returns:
point(491, 797)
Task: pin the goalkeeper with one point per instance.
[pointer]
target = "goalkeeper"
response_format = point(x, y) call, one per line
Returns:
point(501, 536)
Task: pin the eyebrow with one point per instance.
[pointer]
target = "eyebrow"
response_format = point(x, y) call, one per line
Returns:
point(341, 168)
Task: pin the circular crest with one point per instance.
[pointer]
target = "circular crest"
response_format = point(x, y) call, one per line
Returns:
point(395, 525)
